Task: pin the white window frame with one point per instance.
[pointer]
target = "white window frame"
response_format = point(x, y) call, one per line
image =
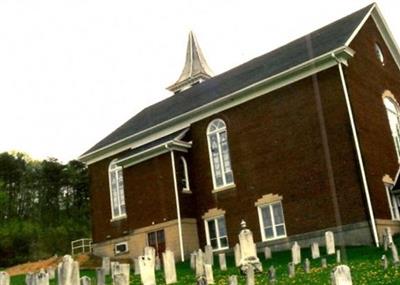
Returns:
point(218, 131)
point(261, 221)
point(186, 175)
point(217, 233)
point(396, 140)
point(117, 252)
point(112, 169)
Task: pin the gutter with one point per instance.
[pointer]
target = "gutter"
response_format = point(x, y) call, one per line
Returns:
point(358, 151)
point(178, 210)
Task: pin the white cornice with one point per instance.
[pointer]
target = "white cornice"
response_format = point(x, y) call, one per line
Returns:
point(233, 99)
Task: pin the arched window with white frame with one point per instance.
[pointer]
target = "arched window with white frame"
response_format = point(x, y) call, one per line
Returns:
point(218, 148)
point(117, 195)
point(392, 111)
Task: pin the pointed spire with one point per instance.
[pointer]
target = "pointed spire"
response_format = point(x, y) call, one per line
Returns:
point(195, 70)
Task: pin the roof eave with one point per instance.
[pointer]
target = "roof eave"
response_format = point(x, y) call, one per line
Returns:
point(300, 71)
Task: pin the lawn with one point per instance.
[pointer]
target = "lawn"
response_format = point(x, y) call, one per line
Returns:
point(363, 261)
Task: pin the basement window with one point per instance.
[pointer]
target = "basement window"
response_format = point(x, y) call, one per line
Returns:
point(121, 248)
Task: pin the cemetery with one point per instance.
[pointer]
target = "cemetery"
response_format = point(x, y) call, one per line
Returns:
point(245, 264)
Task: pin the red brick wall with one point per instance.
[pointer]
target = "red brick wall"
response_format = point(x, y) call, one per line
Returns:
point(367, 79)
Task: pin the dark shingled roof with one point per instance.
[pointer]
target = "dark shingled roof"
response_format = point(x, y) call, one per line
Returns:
point(292, 54)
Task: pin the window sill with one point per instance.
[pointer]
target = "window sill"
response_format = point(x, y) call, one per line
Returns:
point(275, 238)
point(186, 191)
point(220, 249)
point(123, 217)
point(223, 188)
point(121, 253)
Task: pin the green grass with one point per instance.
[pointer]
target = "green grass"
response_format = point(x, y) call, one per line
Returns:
point(364, 263)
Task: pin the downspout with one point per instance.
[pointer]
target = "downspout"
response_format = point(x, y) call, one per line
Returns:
point(178, 209)
point(358, 151)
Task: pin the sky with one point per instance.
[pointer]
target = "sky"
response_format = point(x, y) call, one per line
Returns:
point(73, 71)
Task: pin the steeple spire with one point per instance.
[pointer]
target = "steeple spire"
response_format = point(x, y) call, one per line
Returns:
point(195, 70)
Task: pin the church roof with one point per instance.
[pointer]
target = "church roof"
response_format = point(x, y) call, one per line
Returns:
point(195, 68)
point(301, 50)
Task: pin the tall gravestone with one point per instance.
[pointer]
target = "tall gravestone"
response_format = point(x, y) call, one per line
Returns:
point(236, 251)
point(51, 272)
point(193, 260)
point(123, 268)
point(248, 251)
point(267, 253)
point(307, 265)
point(68, 271)
point(315, 250)
point(120, 279)
point(199, 263)
point(147, 272)
point(384, 262)
point(250, 278)
point(136, 266)
point(209, 273)
point(330, 243)
point(232, 280)
point(222, 261)
point(150, 251)
point(105, 264)
point(338, 257)
point(158, 263)
point(4, 278)
point(85, 280)
point(341, 275)
point(113, 267)
point(100, 276)
point(296, 253)
point(41, 278)
point(169, 267)
point(208, 255)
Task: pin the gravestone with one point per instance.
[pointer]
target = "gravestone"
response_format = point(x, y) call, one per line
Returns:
point(296, 253)
point(105, 264)
point(169, 267)
point(291, 270)
point(388, 235)
point(250, 279)
point(41, 278)
point(113, 266)
point(121, 279)
point(29, 279)
point(338, 258)
point(150, 251)
point(201, 280)
point(85, 280)
point(100, 276)
point(222, 261)
point(324, 263)
point(341, 275)
point(209, 273)
point(307, 265)
point(248, 251)
point(395, 255)
point(272, 275)
point(68, 271)
point(147, 274)
point(384, 262)
point(315, 250)
point(52, 272)
point(158, 263)
point(123, 268)
point(193, 260)
point(4, 278)
point(330, 243)
point(199, 263)
point(267, 253)
point(232, 280)
point(208, 255)
point(136, 266)
point(236, 251)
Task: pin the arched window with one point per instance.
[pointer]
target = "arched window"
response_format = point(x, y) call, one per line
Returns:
point(392, 110)
point(185, 175)
point(117, 196)
point(219, 154)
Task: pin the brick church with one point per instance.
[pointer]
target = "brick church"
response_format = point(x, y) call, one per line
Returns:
point(303, 139)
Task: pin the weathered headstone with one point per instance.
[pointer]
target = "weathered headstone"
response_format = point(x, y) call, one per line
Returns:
point(267, 253)
point(100, 276)
point(158, 263)
point(384, 262)
point(338, 257)
point(315, 250)
point(307, 265)
point(68, 271)
point(388, 234)
point(291, 270)
point(341, 275)
point(136, 266)
point(52, 272)
point(150, 251)
point(222, 261)
point(169, 267)
point(248, 252)
point(250, 279)
point(201, 280)
point(236, 251)
point(272, 275)
point(395, 254)
point(29, 278)
point(105, 264)
point(193, 260)
point(324, 263)
point(4, 278)
point(232, 280)
point(199, 263)
point(208, 255)
point(330, 243)
point(120, 279)
point(113, 267)
point(296, 253)
point(85, 280)
point(124, 268)
point(209, 273)
point(41, 278)
point(147, 274)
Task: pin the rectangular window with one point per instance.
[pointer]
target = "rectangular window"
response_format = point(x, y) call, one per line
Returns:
point(216, 233)
point(272, 222)
point(120, 248)
point(157, 240)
